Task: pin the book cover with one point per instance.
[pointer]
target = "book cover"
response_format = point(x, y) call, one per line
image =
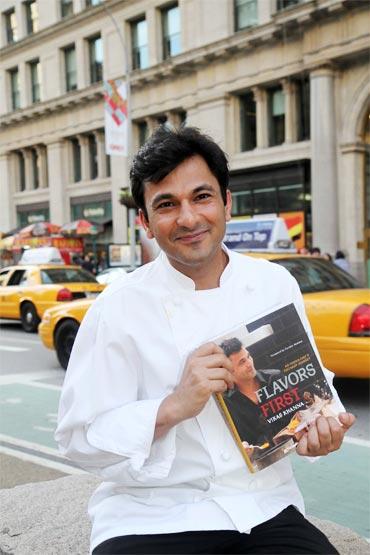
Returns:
point(280, 387)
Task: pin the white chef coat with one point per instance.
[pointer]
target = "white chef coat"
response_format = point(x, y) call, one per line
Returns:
point(128, 356)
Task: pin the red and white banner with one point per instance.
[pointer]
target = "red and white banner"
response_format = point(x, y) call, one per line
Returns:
point(116, 113)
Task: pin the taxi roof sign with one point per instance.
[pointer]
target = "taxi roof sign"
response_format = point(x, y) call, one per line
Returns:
point(261, 234)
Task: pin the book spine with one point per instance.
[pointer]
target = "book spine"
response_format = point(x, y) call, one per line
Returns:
point(234, 431)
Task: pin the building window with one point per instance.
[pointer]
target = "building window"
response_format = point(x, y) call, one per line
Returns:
point(171, 31)
point(76, 157)
point(35, 75)
point(96, 59)
point(143, 132)
point(93, 156)
point(70, 68)
point(14, 88)
point(35, 169)
point(66, 8)
point(242, 204)
point(248, 128)
point(21, 172)
point(283, 4)
point(246, 14)
point(276, 104)
point(303, 107)
point(32, 18)
point(10, 21)
point(90, 3)
point(139, 37)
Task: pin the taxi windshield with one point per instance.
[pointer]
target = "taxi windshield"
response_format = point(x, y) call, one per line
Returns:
point(66, 275)
point(314, 275)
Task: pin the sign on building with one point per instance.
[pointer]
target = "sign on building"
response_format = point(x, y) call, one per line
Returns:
point(115, 108)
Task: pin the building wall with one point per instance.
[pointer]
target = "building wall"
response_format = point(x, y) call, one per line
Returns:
point(324, 41)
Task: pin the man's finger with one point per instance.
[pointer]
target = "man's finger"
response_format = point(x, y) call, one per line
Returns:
point(324, 433)
point(209, 348)
point(347, 419)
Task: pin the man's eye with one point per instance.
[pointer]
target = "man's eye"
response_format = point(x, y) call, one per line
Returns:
point(166, 204)
point(202, 196)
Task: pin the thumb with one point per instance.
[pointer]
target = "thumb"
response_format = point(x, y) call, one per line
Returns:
point(347, 419)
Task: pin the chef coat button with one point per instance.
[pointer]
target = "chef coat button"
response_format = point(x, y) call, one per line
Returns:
point(225, 456)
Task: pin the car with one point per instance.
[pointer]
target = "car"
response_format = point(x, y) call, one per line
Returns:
point(28, 290)
point(110, 274)
point(337, 307)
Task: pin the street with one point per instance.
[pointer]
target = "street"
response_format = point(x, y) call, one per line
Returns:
point(336, 488)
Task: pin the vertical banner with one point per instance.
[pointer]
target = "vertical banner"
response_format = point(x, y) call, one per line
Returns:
point(116, 125)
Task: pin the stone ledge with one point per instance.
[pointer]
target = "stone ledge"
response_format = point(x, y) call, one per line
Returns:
point(49, 518)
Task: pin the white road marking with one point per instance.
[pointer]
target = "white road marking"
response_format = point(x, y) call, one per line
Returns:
point(357, 441)
point(41, 461)
point(44, 429)
point(29, 445)
point(24, 340)
point(13, 349)
point(30, 377)
point(11, 401)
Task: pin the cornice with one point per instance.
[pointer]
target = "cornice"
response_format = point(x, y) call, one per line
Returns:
point(289, 23)
point(60, 27)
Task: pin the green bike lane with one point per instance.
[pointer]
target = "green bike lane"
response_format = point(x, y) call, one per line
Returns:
point(335, 488)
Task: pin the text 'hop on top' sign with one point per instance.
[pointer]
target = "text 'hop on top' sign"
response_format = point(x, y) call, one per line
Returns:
point(258, 234)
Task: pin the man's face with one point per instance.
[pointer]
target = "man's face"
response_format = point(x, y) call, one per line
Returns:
point(187, 216)
point(243, 366)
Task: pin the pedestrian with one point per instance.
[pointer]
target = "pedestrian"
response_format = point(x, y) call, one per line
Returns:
point(102, 262)
point(137, 404)
point(315, 251)
point(87, 264)
point(341, 261)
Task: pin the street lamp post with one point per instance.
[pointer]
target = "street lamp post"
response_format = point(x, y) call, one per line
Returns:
point(126, 71)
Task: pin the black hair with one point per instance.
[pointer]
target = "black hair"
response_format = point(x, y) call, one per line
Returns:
point(315, 250)
point(166, 149)
point(340, 254)
point(231, 346)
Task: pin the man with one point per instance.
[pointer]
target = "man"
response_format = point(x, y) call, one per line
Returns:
point(242, 401)
point(137, 405)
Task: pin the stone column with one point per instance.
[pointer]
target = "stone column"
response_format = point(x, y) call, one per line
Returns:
point(24, 95)
point(260, 97)
point(173, 118)
point(78, 6)
point(42, 165)
point(290, 96)
point(102, 159)
point(82, 64)
point(351, 205)
point(6, 221)
point(119, 179)
point(152, 124)
point(85, 162)
point(28, 170)
point(56, 152)
point(324, 204)
point(154, 42)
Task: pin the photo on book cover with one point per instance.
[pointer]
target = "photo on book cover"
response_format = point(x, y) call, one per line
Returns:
point(280, 387)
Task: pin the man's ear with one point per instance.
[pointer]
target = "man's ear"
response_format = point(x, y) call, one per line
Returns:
point(144, 222)
point(228, 205)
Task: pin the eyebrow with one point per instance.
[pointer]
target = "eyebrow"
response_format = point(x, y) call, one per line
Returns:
point(169, 196)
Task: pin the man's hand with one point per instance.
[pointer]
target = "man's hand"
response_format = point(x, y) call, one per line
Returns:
point(325, 435)
point(207, 370)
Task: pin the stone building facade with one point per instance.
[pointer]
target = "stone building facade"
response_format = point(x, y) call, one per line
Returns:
point(282, 85)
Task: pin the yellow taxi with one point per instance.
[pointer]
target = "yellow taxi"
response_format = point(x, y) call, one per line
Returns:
point(27, 291)
point(337, 308)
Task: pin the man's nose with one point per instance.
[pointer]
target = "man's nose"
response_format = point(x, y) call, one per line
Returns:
point(187, 216)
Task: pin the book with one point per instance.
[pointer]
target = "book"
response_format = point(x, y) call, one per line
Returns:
point(280, 387)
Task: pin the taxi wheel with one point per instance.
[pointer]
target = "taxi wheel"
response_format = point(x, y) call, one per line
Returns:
point(65, 336)
point(29, 317)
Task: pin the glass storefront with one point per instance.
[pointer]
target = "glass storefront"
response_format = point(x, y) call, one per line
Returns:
point(32, 214)
point(282, 190)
